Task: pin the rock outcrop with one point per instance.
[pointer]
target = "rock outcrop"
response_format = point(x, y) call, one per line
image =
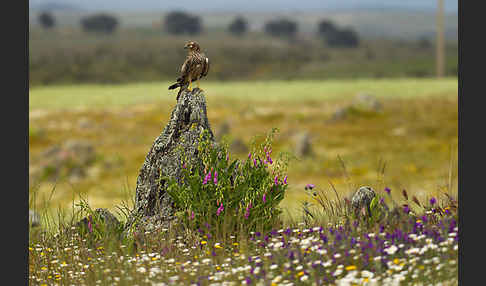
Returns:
point(178, 142)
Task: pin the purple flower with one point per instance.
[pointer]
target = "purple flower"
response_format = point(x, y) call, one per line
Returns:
point(249, 155)
point(215, 177)
point(406, 209)
point(387, 190)
point(192, 215)
point(90, 227)
point(309, 186)
point(220, 209)
point(247, 213)
point(276, 180)
point(264, 198)
point(433, 201)
point(285, 180)
point(207, 178)
point(269, 160)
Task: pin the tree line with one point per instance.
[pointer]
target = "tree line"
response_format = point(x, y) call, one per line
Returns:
point(179, 23)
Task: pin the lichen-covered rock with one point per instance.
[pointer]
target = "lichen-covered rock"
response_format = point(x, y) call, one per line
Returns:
point(362, 199)
point(177, 143)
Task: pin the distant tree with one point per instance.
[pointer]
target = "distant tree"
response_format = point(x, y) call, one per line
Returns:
point(335, 37)
point(326, 27)
point(47, 20)
point(101, 23)
point(281, 28)
point(346, 38)
point(238, 27)
point(178, 23)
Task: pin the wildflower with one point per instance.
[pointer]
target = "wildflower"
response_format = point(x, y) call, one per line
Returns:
point(269, 160)
point(192, 215)
point(215, 177)
point(432, 201)
point(276, 180)
point(90, 227)
point(254, 162)
point(249, 155)
point(350, 267)
point(406, 209)
point(264, 198)
point(220, 209)
point(285, 180)
point(203, 242)
point(247, 213)
point(309, 186)
point(387, 190)
point(391, 250)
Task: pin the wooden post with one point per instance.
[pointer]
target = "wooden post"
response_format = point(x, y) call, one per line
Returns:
point(440, 44)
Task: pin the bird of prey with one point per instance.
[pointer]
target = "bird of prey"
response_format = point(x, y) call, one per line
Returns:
point(194, 68)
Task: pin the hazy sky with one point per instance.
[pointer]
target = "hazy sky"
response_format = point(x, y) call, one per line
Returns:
point(250, 5)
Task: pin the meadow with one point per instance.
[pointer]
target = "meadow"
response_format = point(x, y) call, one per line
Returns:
point(409, 143)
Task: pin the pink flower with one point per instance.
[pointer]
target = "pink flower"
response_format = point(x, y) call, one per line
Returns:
point(247, 213)
point(264, 198)
point(90, 227)
point(276, 180)
point(215, 177)
point(192, 215)
point(285, 180)
point(249, 155)
point(220, 209)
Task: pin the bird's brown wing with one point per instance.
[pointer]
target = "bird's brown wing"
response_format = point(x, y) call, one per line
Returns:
point(185, 69)
point(205, 70)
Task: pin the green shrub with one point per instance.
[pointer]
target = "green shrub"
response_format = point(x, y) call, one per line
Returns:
point(231, 194)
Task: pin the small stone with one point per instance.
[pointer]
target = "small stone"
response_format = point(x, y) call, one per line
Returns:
point(303, 146)
point(367, 102)
point(362, 198)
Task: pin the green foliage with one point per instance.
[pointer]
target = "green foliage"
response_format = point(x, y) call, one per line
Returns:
point(239, 194)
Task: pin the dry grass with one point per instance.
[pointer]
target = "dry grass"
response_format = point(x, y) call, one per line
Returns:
point(416, 135)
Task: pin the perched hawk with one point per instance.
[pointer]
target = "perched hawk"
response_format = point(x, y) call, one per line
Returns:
point(194, 68)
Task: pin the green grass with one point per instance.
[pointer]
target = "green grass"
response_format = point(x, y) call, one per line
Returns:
point(107, 96)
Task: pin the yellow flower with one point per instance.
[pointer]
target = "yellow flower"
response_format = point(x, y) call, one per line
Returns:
point(236, 254)
point(154, 258)
point(396, 261)
point(235, 243)
point(351, 267)
point(31, 249)
point(218, 246)
point(300, 273)
point(218, 268)
point(366, 279)
point(419, 221)
point(203, 242)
